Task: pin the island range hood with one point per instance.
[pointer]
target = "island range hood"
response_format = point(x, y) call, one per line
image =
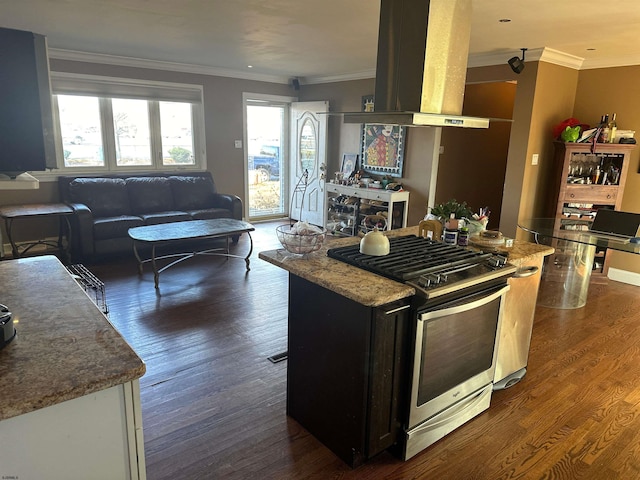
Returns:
point(423, 47)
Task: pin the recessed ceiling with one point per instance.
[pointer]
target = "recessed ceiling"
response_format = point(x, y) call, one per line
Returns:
point(312, 39)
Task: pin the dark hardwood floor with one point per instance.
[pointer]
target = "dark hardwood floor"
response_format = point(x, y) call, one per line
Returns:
point(214, 407)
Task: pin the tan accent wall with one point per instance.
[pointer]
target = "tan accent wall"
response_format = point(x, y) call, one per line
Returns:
point(473, 164)
point(514, 194)
point(544, 97)
point(553, 102)
point(609, 90)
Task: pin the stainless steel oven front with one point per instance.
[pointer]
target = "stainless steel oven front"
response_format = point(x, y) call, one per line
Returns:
point(454, 361)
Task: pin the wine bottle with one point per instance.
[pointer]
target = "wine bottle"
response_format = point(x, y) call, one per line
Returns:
point(604, 134)
point(613, 128)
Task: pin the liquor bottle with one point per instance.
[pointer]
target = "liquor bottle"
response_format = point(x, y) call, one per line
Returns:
point(596, 175)
point(613, 128)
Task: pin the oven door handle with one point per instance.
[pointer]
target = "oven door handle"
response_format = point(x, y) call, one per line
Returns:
point(396, 310)
point(464, 307)
point(526, 272)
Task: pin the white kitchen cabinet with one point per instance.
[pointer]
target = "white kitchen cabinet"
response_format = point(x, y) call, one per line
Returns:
point(345, 217)
point(97, 436)
point(69, 383)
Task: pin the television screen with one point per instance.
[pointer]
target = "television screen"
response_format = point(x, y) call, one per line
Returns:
point(26, 118)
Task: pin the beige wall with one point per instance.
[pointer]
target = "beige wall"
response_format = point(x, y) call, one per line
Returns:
point(612, 90)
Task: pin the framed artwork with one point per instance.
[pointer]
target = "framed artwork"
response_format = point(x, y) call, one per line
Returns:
point(383, 149)
point(349, 164)
point(382, 145)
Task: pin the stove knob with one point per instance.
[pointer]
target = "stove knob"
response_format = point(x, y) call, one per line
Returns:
point(497, 261)
point(433, 278)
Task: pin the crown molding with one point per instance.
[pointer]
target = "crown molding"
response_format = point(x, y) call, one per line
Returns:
point(545, 54)
point(365, 75)
point(77, 56)
point(612, 62)
point(557, 57)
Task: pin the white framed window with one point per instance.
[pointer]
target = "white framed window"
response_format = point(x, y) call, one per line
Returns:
point(115, 124)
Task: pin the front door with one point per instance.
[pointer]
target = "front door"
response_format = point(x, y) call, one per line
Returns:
point(308, 161)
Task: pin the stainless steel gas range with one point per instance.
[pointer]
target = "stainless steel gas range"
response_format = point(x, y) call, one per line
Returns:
point(455, 321)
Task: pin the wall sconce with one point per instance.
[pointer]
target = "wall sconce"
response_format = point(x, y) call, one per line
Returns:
point(517, 64)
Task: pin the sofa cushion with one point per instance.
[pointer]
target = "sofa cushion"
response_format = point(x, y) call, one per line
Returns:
point(209, 213)
point(106, 197)
point(149, 194)
point(192, 193)
point(164, 217)
point(114, 227)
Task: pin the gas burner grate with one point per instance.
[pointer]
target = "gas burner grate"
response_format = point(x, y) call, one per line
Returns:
point(409, 257)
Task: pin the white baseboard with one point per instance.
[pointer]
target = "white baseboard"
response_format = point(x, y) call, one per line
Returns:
point(624, 276)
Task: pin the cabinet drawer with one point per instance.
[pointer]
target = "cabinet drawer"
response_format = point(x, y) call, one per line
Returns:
point(596, 194)
point(376, 194)
point(332, 188)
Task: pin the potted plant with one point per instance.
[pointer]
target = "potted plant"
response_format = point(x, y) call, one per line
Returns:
point(443, 211)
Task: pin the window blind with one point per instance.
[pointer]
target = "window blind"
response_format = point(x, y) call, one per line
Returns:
point(72, 84)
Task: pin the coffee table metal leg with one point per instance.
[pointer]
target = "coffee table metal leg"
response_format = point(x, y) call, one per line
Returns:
point(156, 273)
point(250, 249)
point(135, 252)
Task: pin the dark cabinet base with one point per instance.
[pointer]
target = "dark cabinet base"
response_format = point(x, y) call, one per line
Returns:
point(346, 370)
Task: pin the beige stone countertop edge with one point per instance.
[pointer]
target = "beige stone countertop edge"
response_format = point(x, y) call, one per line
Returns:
point(351, 282)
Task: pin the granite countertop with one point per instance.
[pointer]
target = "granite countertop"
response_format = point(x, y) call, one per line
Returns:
point(365, 287)
point(64, 348)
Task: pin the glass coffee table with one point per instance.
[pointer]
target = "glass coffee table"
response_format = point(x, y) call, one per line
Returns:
point(168, 234)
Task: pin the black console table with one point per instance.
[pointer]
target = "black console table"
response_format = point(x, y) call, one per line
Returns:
point(10, 213)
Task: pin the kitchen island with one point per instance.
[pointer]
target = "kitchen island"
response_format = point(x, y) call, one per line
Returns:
point(68, 382)
point(349, 336)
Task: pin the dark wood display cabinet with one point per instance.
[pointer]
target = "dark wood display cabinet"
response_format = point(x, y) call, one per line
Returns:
point(345, 370)
point(584, 180)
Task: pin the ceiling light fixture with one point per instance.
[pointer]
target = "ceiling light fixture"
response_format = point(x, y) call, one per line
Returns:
point(517, 64)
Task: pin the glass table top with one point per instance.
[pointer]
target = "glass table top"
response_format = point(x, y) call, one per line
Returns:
point(545, 227)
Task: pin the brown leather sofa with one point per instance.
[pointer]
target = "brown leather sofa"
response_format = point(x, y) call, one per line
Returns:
point(107, 206)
